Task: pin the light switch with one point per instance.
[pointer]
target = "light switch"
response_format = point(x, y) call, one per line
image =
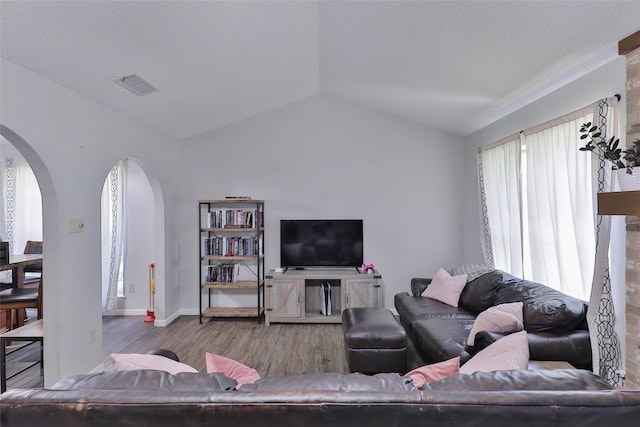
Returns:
point(76, 225)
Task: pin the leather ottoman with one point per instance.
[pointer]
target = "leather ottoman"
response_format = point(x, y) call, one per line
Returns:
point(374, 340)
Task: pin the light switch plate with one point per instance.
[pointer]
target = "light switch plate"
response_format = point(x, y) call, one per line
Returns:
point(76, 225)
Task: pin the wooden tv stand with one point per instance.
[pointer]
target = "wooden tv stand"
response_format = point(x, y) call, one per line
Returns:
point(294, 296)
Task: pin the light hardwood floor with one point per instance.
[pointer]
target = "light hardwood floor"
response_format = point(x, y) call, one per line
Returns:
point(274, 350)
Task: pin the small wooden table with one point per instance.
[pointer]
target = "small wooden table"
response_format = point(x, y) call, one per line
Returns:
point(32, 331)
point(535, 365)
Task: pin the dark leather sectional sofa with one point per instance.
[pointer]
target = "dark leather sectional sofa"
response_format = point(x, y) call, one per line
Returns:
point(155, 398)
point(555, 322)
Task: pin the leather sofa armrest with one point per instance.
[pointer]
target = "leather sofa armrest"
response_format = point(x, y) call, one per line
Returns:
point(418, 285)
point(569, 346)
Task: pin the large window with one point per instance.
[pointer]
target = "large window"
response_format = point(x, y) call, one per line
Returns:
point(538, 205)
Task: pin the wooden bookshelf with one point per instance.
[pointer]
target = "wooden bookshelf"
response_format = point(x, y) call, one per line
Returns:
point(231, 257)
point(619, 203)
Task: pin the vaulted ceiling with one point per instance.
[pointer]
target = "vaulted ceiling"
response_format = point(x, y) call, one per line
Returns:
point(455, 66)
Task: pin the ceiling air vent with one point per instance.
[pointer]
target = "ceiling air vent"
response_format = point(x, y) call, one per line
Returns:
point(136, 84)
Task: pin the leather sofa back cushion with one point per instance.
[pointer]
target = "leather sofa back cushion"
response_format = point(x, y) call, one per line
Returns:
point(147, 380)
point(558, 379)
point(388, 382)
point(544, 308)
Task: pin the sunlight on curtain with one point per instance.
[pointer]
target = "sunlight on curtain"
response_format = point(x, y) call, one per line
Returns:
point(538, 192)
point(560, 223)
point(28, 206)
point(501, 193)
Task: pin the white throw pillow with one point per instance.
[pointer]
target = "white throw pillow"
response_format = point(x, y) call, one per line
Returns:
point(133, 361)
point(508, 353)
point(500, 318)
point(446, 288)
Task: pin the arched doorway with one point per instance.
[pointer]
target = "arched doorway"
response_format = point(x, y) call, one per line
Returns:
point(128, 239)
point(47, 217)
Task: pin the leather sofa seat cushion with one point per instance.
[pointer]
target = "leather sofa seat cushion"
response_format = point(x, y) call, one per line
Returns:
point(412, 308)
point(441, 339)
point(515, 380)
point(386, 382)
point(147, 380)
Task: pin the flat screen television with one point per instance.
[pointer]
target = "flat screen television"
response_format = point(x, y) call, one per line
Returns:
point(321, 243)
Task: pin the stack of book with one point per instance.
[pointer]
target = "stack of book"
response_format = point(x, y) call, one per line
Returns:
point(226, 273)
point(235, 218)
point(231, 246)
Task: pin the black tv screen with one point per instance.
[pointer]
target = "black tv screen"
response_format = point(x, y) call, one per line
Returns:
point(321, 243)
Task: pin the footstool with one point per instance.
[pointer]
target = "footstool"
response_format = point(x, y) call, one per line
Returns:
point(374, 341)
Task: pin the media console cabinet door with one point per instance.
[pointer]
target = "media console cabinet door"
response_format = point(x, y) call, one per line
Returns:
point(284, 298)
point(362, 293)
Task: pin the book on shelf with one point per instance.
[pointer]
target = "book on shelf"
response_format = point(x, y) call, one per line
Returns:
point(225, 273)
point(238, 197)
point(234, 218)
point(232, 246)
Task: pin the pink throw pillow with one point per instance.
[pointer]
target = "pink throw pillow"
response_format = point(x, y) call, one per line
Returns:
point(500, 318)
point(434, 372)
point(232, 369)
point(508, 353)
point(446, 288)
point(132, 362)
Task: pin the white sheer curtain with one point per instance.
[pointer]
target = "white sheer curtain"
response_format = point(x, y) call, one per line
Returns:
point(21, 203)
point(559, 207)
point(601, 315)
point(27, 224)
point(113, 205)
point(537, 192)
point(499, 168)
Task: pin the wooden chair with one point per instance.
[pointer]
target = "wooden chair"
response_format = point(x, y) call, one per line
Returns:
point(32, 271)
point(32, 247)
point(13, 299)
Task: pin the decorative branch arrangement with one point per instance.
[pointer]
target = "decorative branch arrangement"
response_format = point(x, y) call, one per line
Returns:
point(610, 150)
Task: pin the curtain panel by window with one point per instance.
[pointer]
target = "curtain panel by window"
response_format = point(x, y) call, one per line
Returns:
point(559, 240)
point(20, 204)
point(537, 202)
point(113, 204)
point(499, 176)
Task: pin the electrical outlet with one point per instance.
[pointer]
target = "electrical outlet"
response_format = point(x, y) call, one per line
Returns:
point(92, 336)
point(76, 225)
point(132, 287)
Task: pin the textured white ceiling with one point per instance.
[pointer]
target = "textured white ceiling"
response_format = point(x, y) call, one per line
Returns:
point(451, 65)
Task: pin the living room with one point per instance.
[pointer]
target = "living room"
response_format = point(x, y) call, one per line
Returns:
point(318, 156)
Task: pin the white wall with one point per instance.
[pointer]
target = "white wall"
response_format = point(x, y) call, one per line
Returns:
point(71, 143)
point(322, 158)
